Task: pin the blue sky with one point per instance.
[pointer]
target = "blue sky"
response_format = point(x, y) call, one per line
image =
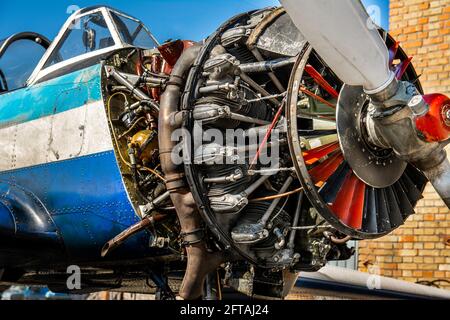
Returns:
point(176, 19)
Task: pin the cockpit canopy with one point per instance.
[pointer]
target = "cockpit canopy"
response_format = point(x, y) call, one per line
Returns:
point(19, 55)
point(93, 32)
point(90, 33)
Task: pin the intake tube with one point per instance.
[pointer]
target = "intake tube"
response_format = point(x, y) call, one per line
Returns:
point(200, 262)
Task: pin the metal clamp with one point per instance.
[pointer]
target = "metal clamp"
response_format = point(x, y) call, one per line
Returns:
point(192, 237)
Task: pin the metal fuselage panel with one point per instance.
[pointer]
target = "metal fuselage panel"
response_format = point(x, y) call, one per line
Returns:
point(55, 144)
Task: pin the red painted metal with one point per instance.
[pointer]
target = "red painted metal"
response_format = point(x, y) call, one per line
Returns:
point(321, 81)
point(343, 201)
point(156, 65)
point(171, 51)
point(401, 68)
point(267, 136)
point(323, 171)
point(349, 203)
point(435, 125)
point(314, 155)
point(163, 61)
point(393, 51)
point(357, 207)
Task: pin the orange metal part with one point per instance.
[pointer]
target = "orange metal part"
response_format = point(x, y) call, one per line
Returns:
point(323, 171)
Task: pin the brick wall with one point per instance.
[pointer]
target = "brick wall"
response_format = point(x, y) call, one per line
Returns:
point(419, 250)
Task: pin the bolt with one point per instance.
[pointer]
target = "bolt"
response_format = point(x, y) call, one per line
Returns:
point(447, 114)
point(418, 105)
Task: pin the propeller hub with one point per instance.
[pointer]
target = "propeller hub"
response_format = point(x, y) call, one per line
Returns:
point(346, 164)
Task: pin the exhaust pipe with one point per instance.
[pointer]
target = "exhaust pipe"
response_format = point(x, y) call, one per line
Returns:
point(200, 262)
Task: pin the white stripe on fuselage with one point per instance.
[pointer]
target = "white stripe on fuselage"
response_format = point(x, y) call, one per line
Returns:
point(74, 133)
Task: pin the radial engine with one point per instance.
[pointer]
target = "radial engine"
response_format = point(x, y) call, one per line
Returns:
point(247, 154)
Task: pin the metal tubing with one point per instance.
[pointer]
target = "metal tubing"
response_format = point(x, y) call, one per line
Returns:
point(217, 87)
point(230, 178)
point(135, 79)
point(280, 95)
point(255, 147)
point(296, 220)
point(156, 202)
point(124, 235)
point(255, 185)
point(258, 88)
point(277, 196)
point(272, 75)
point(135, 91)
point(242, 118)
point(200, 261)
point(264, 66)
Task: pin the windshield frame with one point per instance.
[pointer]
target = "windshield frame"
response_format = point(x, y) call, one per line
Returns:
point(41, 71)
point(34, 37)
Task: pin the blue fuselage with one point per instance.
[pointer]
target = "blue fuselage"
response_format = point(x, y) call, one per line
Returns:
point(62, 196)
